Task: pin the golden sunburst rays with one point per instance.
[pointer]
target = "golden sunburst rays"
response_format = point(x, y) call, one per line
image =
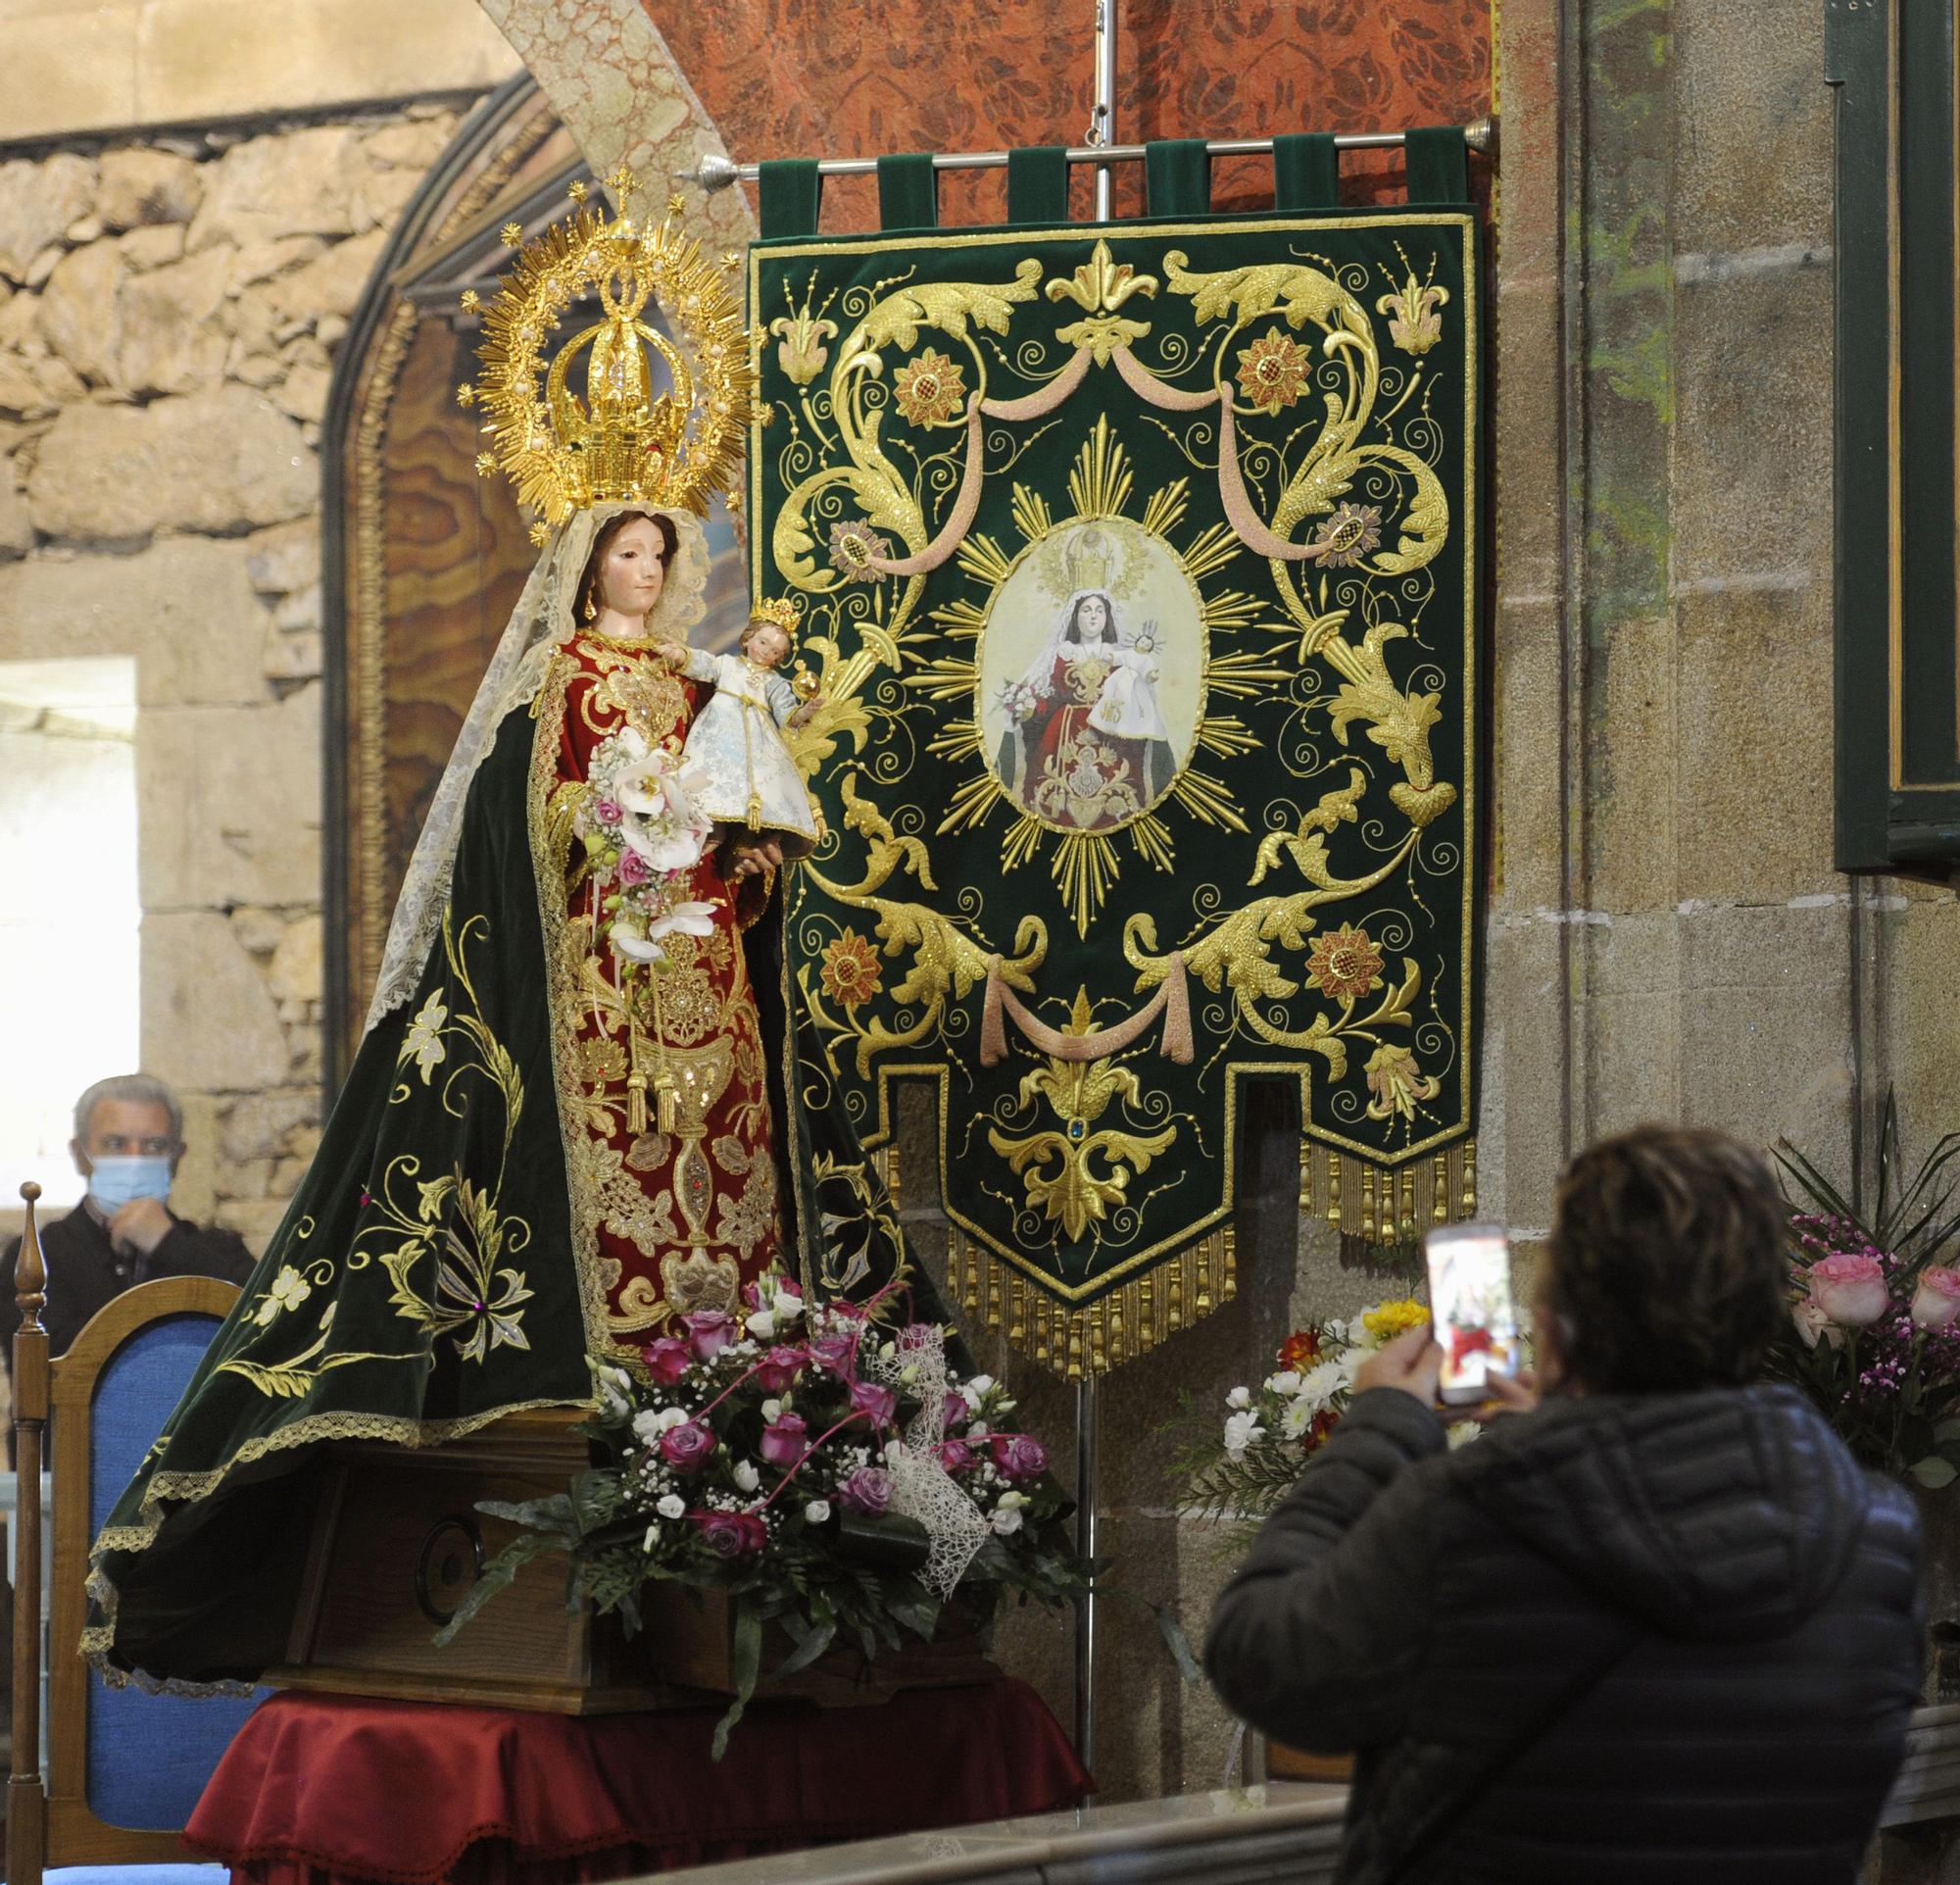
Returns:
point(1086, 864)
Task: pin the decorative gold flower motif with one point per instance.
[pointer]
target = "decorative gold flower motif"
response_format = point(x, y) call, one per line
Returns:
point(1415, 320)
point(800, 349)
point(1396, 1082)
point(1349, 535)
point(851, 971)
point(1272, 372)
point(1345, 964)
point(290, 1289)
point(423, 1041)
point(853, 545)
point(929, 390)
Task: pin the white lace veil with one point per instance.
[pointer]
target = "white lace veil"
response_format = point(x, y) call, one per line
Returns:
point(1041, 671)
point(542, 621)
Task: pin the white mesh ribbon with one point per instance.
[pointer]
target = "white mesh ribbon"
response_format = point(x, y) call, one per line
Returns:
point(922, 1488)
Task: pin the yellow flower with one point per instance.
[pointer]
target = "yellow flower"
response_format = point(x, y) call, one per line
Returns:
point(1396, 1082)
point(851, 971)
point(1345, 964)
point(929, 390)
point(1272, 372)
point(1386, 1320)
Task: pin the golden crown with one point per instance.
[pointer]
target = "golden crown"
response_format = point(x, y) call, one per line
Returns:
point(620, 442)
point(784, 610)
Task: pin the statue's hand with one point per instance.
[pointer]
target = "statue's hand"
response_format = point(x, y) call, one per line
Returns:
point(749, 857)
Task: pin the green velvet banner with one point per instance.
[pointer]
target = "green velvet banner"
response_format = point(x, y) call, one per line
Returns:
point(1140, 572)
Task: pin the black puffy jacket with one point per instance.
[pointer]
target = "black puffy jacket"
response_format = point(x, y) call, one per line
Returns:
point(1742, 1594)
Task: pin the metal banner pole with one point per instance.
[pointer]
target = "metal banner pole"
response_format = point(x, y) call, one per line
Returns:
point(1102, 131)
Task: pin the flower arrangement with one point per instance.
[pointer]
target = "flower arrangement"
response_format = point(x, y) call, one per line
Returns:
point(1244, 1468)
point(827, 1471)
point(1874, 1334)
point(642, 834)
point(1018, 700)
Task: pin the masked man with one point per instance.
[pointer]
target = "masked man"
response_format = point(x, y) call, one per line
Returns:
point(128, 1140)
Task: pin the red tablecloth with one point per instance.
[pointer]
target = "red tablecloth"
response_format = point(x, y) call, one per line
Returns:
point(329, 1790)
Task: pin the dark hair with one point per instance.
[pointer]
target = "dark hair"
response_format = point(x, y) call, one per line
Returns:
point(1108, 616)
point(588, 583)
point(1668, 1262)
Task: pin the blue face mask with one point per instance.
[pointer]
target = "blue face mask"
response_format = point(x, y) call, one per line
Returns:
point(113, 1182)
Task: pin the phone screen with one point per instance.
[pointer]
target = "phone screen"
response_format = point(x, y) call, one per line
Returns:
point(1470, 1299)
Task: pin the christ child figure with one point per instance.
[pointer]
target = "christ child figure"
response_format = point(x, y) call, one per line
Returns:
point(752, 785)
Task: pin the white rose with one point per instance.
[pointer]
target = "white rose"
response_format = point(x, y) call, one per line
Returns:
point(1239, 1398)
point(746, 1476)
point(973, 1392)
point(615, 1387)
point(763, 1325)
point(1286, 1382)
point(1006, 1519)
point(787, 1307)
point(649, 1425)
point(674, 1418)
point(772, 1412)
point(817, 1511)
point(672, 1506)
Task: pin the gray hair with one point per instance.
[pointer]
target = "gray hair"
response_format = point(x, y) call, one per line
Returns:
point(140, 1089)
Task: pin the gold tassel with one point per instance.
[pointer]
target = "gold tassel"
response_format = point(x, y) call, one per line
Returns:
point(636, 1081)
point(1405, 1224)
point(755, 811)
point(1334, 1208)
point(1306, 1177)
point(1367, 1204)
point(1229, 1241)
point(1469, 1180)
point(1438, 1190)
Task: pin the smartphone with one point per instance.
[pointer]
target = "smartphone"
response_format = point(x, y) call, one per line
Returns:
point(1470, 1301)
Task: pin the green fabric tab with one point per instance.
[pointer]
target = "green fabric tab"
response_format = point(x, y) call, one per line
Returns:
point(1177, 176)
point(1038, 184)
point(790, 192)
point(1306, 172)
point(907, 193)
point(1438, 166)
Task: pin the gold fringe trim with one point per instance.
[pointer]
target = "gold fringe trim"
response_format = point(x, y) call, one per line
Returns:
point(1076, 1340)
point(1381, 1215)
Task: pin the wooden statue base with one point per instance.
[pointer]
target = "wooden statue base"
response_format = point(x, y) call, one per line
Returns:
point(397, 1541)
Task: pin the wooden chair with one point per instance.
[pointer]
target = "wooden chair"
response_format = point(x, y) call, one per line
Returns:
point(125, 1768)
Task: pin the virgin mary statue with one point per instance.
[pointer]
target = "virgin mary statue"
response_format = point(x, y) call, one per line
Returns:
point(577, 1112)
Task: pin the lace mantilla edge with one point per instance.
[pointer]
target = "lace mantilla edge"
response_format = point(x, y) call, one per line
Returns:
point(98, 1640)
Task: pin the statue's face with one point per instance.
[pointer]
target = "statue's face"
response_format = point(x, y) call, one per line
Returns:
point(769, 645)
point(1092, 616)
point(632, 575)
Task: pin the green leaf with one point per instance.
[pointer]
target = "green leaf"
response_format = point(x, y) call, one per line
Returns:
point(748, 1667)
point(810, 1643)
point(497, 1576)
point(1179, 1645)
point(1947, 1430)
point(1934, 1472)
point(554, 1514)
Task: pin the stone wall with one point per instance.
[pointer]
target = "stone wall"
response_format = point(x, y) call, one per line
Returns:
point(169, 307)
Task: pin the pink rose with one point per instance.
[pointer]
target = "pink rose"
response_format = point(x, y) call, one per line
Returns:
point(667, 1360)
point(1813, 1325)
point(686, 1448)
point(1019, 1456)
point(1936, 1300)
point(955, 1456)
point(608, 811)
point(778, 1369)
point(633, 868)
point(709, 1332)
point(868, 1489)
point(836, 1350)
point(1850, 1289)
point(732, 1534)
point(879, 1402)
point(784, 1440)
